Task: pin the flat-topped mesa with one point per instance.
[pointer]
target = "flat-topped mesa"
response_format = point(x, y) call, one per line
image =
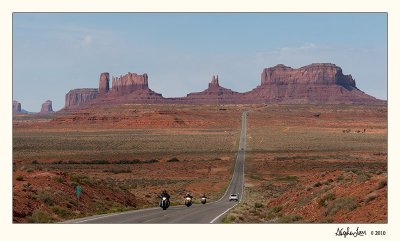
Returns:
point(78, 97)
point(104, 83)
point(129, 83)
point(214, 82)
point(47, 107)
point(314, 83)
point(313, 74)
point(16, 107)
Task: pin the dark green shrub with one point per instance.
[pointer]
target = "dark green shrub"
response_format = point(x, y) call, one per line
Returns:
point(120, 170)
point(291, 218)
point(81, 179)
point(317, 184)
point(258, 205)
point(277, 209)
point(381, 184)
point(46, 197)
point(150, 161)
point(174, 159)
point(323, 202)
point(135, 161)
point(62, 212)
point(39, 216)
point(346, 203)
point(59, 179)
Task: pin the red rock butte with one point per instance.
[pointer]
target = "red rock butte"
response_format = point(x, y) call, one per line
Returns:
point(16, 107)
point(321, 83)
point(47, 107)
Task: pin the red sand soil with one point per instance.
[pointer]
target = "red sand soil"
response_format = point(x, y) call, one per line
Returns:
point(46, 192)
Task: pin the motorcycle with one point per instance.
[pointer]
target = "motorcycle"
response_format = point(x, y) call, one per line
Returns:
point(203, 200)
point(164, 203)
point(188, 201)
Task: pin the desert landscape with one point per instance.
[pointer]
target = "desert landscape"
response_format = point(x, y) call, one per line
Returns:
point(304, 163)
point(122, 162)
point(316, 149)
point(315, 164)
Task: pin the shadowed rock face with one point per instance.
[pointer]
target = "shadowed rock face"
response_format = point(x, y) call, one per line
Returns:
point(104, 85)
point(47, 107)
point(214, 82)
point(77, 97)
point(16, 107)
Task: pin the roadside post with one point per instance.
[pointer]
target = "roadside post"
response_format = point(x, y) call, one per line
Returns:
point(78, 192)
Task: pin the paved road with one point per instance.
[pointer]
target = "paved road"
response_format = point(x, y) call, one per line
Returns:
point(212, 212)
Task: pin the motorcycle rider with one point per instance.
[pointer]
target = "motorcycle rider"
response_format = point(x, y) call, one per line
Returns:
point(203, 198)
point(188, 202)
point(166, 195)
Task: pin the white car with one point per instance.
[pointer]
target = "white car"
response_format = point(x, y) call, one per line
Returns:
point(234, 197)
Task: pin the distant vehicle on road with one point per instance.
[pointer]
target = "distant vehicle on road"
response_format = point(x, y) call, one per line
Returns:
point(234, 197)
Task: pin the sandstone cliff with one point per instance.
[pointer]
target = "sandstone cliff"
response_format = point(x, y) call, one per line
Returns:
point(214, 82)
point(315, 83)
point(317, 74)
point(78, 97)
point(104, 83)
point(129, 83)
point(16, 107)
point(321, 83)
point(214, 94)
point(47, 107)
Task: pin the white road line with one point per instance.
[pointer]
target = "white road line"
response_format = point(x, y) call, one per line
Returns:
point(244, 153)
point(244, 124)
point(113, 214)
point(212, 221)
point(234, 168)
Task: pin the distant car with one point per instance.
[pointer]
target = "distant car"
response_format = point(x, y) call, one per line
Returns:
point(234, 197)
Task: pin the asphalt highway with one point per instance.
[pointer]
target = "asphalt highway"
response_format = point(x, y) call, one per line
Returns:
point(212, 212)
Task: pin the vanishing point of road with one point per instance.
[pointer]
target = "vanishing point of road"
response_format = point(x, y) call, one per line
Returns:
point(212, 212)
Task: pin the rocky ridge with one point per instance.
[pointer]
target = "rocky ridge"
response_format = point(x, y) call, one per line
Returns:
point(126, 84)
point(321, 83)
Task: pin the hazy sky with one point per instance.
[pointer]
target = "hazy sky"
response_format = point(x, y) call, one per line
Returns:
point(56, 52)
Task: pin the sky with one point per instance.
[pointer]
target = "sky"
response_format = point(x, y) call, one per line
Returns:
point(56, 52)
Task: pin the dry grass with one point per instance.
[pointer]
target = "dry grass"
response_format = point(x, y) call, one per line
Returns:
point(123, 144)
point(303, 168)
point(294, 159)
point(131, 151)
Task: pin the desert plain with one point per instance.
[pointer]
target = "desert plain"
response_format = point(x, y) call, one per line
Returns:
point(304, 163)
